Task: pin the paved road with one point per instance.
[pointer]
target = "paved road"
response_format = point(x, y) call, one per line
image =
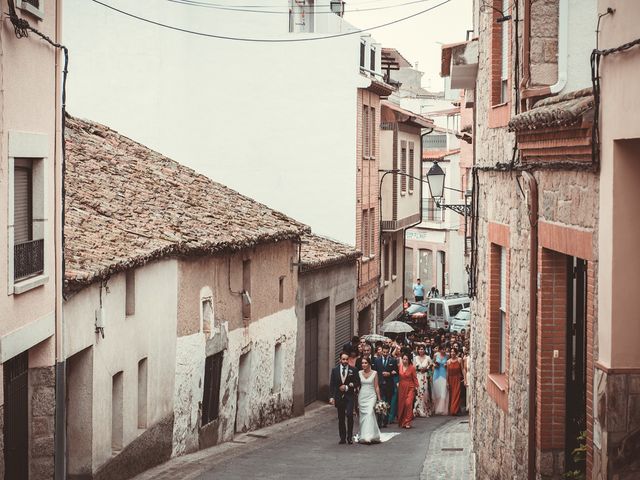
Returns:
point(307, 448)
point(316, 454)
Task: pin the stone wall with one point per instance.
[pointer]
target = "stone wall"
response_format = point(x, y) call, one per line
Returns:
point(42, 382)
point(617, 453)
point(567, 199)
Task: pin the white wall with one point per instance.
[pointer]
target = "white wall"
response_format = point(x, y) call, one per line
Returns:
point(583, 17)
point(276, 121)
point(149, 333)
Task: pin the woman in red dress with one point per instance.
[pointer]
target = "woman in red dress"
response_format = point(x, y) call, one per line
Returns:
point(454, 379)
point(407, 388)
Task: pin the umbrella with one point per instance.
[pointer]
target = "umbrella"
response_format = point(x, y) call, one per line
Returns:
point(396, 327)
point(374, 337)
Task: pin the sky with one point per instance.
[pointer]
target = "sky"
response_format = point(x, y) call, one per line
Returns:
point(418, 39)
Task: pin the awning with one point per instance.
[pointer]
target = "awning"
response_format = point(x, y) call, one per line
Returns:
point(460, 62)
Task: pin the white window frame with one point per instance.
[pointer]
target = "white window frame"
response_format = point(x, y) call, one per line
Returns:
point(503, 309)
point(27, 7)
point(33, 147)
point(504, 52)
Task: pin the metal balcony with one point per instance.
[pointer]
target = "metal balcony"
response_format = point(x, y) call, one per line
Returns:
point(28, 259)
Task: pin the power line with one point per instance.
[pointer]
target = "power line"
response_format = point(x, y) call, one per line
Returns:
point(234, 8)
point(366, 2)
point(269, 40)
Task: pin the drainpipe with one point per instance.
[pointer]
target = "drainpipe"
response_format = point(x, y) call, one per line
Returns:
point(563, 52)
point(532, 187)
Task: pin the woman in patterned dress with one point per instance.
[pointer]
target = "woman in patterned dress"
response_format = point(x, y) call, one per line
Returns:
point(423, 364)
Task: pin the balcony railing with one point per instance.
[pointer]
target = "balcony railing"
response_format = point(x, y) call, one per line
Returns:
point(28, 259)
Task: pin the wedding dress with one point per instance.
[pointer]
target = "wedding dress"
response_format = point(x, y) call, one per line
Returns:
point(367, 398)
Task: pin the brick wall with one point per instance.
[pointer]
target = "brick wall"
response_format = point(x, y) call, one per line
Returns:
point(367, 184)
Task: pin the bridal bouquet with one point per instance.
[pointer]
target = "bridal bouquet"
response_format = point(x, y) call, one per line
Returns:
point(381, 407)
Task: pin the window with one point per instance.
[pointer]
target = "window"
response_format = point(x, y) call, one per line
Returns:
point(431, 212)
point(386, 261)
point(211, 394)
point(372, 233)
point(281, 289)
point(117, 424)
point(411, 166)
point(432, 308)
point(372, 147)
point(28, 241)
point(439, 309)
point(130, 292)
point(207, 317)
point(34, 7)
point(362, 54)
point(246, 288)
point(504, 52)
point(503, 310)
point(372, 62)
point(142, 393)
point(394, 258)
point(454, 309)
point(364, 236)
point(278, 362)
point(403, 166)
point(425, 266)
point(365, 131)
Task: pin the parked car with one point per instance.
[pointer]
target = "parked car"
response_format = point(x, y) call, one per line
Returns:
point(443, 309)
point(417, 312)
point(461, 320)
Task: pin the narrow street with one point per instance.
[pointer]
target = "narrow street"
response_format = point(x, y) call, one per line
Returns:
point(307, 448)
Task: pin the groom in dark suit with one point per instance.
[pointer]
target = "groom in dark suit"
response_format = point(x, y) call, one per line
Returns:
point(387, 367)
point(343, 386)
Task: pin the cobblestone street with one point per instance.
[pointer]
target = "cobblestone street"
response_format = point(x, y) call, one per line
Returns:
point(307, 447)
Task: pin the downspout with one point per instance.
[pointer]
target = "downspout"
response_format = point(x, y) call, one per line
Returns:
point(532, 187)
point(563, 52)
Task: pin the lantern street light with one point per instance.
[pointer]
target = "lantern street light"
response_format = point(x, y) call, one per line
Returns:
point(337, 7)
point(435, 179)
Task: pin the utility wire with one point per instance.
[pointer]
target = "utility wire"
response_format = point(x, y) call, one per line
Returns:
point(367, 2)
point(268, 40)
point(233, 8)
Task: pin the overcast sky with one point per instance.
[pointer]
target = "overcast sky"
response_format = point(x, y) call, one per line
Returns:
point(417, 38)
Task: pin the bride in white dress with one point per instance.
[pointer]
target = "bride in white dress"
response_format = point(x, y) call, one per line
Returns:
point(367, 398)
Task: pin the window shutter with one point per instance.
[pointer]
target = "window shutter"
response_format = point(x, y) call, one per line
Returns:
point(403, 165)
point(505, 42)
point(372, 150)
point(503, 279)
point(411, 168)
point(372, 238)
point(365, 131)
point(22, 209)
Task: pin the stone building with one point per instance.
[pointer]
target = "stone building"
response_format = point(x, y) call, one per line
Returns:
point(180, 310)
point(326, 309)
point(30, 260)
point(535, 255)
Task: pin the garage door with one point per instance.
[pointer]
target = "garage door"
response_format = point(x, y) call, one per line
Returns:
point(344, 326)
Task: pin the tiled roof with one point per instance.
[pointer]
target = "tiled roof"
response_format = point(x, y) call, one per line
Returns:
point(127, 205)
point(320, 252)
point(557, 111)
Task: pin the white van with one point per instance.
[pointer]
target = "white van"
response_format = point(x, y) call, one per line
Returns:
point(443, 309)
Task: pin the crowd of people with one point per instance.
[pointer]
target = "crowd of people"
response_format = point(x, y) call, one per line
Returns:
point(392, 381)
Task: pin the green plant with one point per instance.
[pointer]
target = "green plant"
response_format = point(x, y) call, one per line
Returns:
point(579, 456)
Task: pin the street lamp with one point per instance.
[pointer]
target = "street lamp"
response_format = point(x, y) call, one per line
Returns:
point(337, 7)
point(435, 179)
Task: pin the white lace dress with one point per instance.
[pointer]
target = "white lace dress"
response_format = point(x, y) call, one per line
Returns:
point(367, 398)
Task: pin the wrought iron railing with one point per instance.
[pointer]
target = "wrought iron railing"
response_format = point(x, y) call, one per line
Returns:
point(28, 259)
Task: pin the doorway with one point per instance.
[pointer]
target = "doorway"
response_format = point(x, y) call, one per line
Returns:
point(242, 398)
point(311, 354)
point(16, 408)
point(576, 375)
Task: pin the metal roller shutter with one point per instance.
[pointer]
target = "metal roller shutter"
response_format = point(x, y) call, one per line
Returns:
point(22, 205)
point(344, 326)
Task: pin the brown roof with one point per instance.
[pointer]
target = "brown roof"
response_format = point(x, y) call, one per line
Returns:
point(412, 117)
point(396, 56)
point(557, 111)
point(320, 252)
point(127, 205)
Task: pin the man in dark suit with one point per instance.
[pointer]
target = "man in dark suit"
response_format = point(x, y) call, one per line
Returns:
point(343, 386)
point(387, 367)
